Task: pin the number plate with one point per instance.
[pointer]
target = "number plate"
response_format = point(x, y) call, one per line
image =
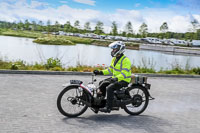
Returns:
point(75, 82)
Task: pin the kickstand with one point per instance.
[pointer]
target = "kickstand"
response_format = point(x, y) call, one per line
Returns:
point(95, 110)
point(151, 98)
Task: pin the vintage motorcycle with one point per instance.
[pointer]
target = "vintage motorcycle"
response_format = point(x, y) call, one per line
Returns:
point(76, 97)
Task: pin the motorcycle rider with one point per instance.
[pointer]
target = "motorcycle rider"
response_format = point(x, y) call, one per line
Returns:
point(120, 69)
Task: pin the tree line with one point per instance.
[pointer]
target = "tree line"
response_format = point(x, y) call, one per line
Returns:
point(193, 34)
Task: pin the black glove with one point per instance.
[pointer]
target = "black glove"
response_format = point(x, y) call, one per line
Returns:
point(96, 72)
point(112, 80)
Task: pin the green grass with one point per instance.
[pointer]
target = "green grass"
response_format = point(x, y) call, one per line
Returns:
point(55, 65)
point(52, 40)
point(19, 33)
point(83, 68)
point(51, 64)
point(79, 39)
point(139, 69)
point(101, 42)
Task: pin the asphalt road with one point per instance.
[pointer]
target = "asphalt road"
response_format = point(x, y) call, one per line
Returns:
point(28, 105)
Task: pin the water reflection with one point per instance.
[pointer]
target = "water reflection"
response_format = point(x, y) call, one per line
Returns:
point(15, 48)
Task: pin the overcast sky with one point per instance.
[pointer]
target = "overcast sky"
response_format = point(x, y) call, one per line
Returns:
point(177, 13)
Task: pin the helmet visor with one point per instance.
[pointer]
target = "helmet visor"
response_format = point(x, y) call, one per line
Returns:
point(114, 47)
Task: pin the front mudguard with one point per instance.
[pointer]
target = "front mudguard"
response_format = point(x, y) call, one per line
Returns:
point(85, 90)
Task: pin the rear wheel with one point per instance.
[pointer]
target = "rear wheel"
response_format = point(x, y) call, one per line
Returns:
point(69, 101)
point(140, 99)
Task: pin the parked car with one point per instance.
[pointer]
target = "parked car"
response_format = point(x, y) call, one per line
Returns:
point(62, 33)
point(134, 39)
point(196, 43)
point(152, 40)
point(110, 37)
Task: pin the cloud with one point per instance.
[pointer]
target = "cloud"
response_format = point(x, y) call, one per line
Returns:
point(134, 16)
point(189, 4)
point(137, 5)
point(36, 4)
point(64, 2)
point(88, 2)
point(179, 24)
point(22, 10)
point(154, 18)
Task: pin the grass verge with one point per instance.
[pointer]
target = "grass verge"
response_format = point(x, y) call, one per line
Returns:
point(19, 33)
point(55, 65)
point(53, 40)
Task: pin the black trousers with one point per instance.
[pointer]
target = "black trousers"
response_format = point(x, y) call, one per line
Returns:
point(109, 87)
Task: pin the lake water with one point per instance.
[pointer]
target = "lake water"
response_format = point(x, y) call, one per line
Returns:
point(17, 48)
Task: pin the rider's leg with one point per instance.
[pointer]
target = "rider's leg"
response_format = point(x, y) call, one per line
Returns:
point(102, 87)
point(110, 91)
point(110, 94)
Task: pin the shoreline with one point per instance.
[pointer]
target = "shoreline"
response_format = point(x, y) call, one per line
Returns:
point(88, 41)
point(36, 72)
point(170, 49)
point(105, 43)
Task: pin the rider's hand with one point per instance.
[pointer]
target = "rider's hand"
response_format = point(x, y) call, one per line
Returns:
point(96, 72)
point(113, 80)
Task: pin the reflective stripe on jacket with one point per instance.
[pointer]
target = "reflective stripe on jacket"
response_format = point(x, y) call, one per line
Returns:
point(122, 70)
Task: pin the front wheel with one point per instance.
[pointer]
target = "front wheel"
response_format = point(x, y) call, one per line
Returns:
point(140, 100)
point(69, 101)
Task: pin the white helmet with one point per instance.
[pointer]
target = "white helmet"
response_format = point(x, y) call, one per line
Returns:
point(118, 48)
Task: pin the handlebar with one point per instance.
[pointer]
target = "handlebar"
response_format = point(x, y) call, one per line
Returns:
point(93, 80)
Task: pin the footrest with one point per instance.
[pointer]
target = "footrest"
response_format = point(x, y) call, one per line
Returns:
point(115, 108)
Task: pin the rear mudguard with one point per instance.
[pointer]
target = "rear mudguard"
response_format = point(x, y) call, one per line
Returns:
point(146, 87)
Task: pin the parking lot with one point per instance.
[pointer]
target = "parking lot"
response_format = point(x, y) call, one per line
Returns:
point(28, 105)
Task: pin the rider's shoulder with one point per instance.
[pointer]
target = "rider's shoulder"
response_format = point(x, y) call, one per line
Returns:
point(127, 59)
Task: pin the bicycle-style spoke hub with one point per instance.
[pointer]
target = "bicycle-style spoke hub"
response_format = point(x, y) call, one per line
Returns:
point(72, 100)
point(137, 100)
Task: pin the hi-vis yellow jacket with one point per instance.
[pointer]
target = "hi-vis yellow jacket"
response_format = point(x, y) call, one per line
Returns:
point(121, 71)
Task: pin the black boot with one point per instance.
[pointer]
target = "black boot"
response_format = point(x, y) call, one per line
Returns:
point(99, 94)
point(96, 110)
point(105, 109)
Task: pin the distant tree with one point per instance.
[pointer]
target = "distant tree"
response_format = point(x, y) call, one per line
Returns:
point(168, 35)
point(34, 25)
point(48, 26)
point(124, 34)
point(143, 30)
point(57, 26)
point(14, 25)
point(67, 27)
point(198, 34)
point(164, 27)
point(138, 36)
point(76, 26)
point(195, 25)
point(26, 25)
point(99, 28)
point(40, 26)
point(40, 23)
point(189, 36)
point(20, 25)
point(87, 27)
point(129, 29)
point(114, 28)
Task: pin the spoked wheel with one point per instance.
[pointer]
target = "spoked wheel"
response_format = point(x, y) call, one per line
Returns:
point(70, 103)
point(140, 99)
